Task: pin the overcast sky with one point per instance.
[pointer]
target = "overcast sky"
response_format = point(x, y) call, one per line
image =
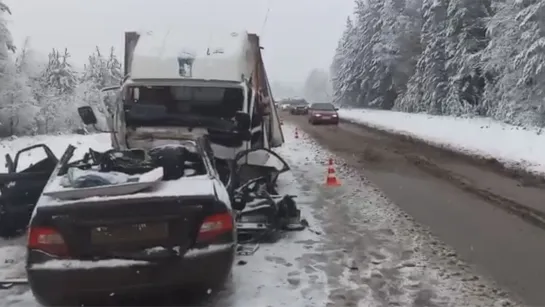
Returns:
point(298, 35)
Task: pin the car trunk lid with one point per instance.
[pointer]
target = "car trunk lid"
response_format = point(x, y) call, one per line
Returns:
point(140, 229)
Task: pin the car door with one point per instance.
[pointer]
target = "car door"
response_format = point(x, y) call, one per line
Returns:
point(21, 187)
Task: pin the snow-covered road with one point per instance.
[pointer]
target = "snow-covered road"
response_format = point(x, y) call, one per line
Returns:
point(362, 250)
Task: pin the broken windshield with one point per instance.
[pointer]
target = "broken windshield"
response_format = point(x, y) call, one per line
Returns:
point(216, 102)
point(183, 105)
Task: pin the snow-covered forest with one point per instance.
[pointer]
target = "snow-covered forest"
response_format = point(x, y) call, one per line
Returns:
point(41, 97)
point(445, 57)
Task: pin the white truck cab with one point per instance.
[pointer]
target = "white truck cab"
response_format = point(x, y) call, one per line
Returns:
point(175, 89)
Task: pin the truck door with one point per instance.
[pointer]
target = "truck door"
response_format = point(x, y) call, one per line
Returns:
point(257, 122)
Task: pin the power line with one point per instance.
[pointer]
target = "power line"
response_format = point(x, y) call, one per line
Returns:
point(266, 18)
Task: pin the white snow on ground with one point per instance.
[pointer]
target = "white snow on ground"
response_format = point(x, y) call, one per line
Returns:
point(277, 274)
point(360, 250)
point(514, 146)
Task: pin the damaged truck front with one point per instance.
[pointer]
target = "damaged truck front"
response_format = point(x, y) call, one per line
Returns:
point(182, 87)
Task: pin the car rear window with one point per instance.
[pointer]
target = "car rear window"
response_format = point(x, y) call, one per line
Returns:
point(323, 106)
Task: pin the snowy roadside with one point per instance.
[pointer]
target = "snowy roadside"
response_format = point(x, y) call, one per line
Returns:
point(374, 253)
point(278, 274)
point(516, 147)
point(361, 250)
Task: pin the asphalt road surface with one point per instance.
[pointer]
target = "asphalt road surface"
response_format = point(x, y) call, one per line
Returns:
point(493, 219)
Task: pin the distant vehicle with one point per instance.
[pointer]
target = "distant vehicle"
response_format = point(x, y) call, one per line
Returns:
point(285, 106)
point(290, 104)
point(299, 108)
point(323, 113)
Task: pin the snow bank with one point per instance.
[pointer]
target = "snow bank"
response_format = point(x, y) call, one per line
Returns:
point(57, 143)
point(514, 146)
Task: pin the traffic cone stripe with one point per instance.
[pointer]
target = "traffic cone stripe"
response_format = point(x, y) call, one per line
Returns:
point(331, 179)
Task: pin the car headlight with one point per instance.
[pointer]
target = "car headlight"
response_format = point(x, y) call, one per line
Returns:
point(317, 115)
point(334, 115)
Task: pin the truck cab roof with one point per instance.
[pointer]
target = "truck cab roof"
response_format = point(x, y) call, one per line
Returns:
point(175, 55)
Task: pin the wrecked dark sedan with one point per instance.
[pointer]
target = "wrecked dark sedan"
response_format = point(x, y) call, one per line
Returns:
point(131, 223)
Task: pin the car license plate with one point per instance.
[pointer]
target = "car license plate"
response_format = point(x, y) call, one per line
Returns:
point(129, 233)
point(326, 117)
point(253, 219)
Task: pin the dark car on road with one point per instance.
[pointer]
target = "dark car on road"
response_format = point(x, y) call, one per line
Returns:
point(299, 108)
point(323, 113)
point(177, 234)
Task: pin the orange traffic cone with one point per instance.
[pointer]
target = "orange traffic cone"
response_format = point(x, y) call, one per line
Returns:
point(296, 133)
point(331, 180)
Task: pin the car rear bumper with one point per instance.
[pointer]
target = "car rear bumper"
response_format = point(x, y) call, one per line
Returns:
point(298, 112)
point(208, 268)
point(321, 120)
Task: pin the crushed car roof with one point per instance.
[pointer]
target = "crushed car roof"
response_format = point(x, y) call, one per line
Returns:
point(183, 187)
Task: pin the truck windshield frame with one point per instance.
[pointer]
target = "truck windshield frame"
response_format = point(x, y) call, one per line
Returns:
point(206, 101)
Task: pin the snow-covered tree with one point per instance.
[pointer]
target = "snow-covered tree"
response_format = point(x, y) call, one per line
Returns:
point(100, 72)
point(339, 65)
point(59, 77)
point(513, 61)
point(6, 41)
point(17, 105)
point(428, 87)
point(115, 69)
point(466, 39)
point(317, 86)
point(450, 57)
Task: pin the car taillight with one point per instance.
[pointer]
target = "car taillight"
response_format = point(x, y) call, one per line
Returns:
point(215, 225)
point(48, 240)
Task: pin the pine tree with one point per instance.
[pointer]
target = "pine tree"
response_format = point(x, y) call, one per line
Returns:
point(427, 89)
point(115, 71)
point(466, 38)
point(6, 45)
point(339, 62)
point(59, 76)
